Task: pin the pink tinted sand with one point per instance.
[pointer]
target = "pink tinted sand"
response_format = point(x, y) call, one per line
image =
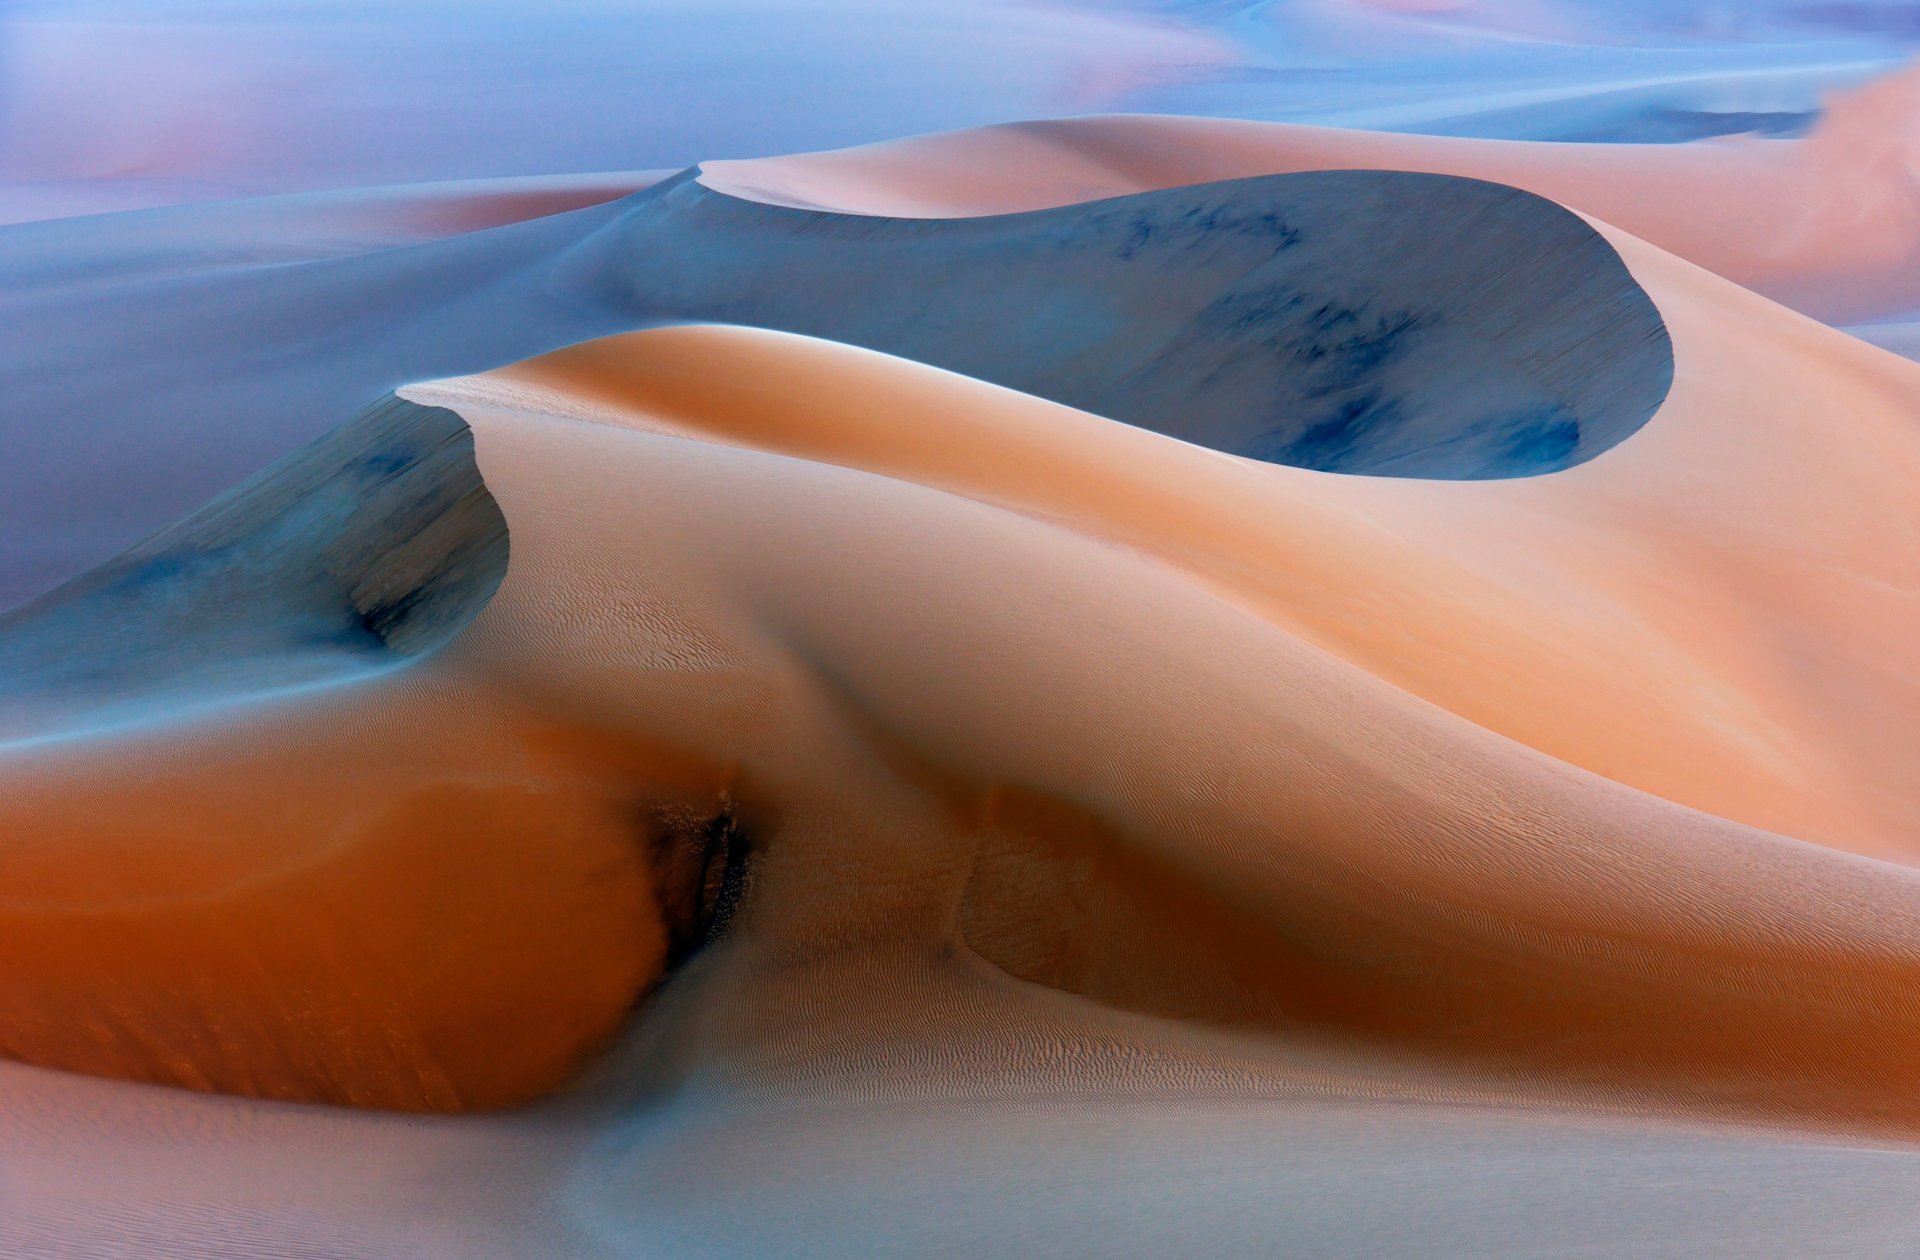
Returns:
point(1829, 224)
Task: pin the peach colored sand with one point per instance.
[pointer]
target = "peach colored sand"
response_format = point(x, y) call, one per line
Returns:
point(1117, 809)
point(318, 902)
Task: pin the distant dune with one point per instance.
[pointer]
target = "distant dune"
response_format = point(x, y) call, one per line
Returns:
point(1829, 224)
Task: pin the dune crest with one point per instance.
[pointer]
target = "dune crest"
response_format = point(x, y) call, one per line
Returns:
point(372, 546)
point(1371, 322)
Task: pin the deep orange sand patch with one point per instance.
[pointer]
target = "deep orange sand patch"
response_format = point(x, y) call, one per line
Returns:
point(410, 904)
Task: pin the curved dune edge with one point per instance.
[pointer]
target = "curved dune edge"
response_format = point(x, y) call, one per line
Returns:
point(363, 550)
point(1377, 322)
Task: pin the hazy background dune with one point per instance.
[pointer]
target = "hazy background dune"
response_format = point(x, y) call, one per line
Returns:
point(109, 104)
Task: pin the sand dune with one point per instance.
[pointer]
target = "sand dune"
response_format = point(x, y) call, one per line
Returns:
point(271, 356)
point(1070, 800)
point(1369, 345)
point(1631, 568)
point(931, 703)
point(1261, 822)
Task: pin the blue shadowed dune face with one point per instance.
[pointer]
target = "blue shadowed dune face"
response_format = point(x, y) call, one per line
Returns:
point(1371, 322)
point(369, 547)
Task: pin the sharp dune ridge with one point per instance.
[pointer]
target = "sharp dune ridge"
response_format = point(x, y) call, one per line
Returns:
point(1352, 321)
point(371, 546)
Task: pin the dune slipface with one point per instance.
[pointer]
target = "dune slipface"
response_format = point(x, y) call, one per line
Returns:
point(368, 548)
point(1350, 321)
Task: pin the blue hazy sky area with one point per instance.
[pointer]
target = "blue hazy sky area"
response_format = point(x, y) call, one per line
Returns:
point(111, 103)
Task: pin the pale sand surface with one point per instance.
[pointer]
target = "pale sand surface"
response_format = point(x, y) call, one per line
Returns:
point(98, 1169)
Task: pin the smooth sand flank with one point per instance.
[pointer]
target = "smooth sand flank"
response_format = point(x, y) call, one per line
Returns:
point(1622, 616)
